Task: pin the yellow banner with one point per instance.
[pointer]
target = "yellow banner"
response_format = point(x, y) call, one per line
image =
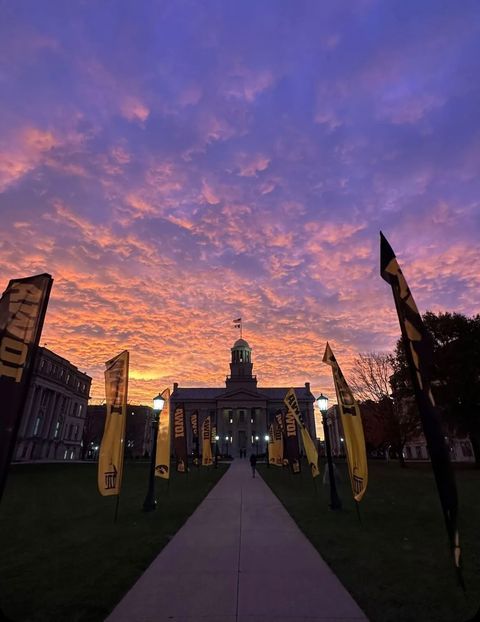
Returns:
point(275, 445)
point(310, 449)
point(207, 444)
point(352, 428)
point(110, 461)
point(162, 458)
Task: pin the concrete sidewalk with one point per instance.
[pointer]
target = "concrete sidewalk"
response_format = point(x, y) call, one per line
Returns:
point(238, 558)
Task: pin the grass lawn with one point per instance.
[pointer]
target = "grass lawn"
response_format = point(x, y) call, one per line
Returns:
point(396, 564)
point(61, 556)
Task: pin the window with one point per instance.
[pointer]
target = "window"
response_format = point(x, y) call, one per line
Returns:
point(80, 409)
point(72, 454)
point(67, 378)
point(418, 449)
point(57, 429)
point(75, 432)
point(70, 430)
point(36, 427)
point(65, 454)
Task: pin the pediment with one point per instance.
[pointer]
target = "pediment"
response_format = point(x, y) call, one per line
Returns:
point(241, 394)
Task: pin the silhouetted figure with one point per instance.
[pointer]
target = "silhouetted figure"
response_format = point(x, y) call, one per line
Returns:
point(253, 463)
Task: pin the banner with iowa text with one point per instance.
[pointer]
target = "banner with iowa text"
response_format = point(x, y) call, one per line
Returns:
point(352, 428)
point(291, 441)
point(310, 449)
point(110, 461)
point(22, 312)
point(195, 438)
point(207, 442)
point(162, 458)
point(180, 439)
point(419, 354)
point(280, 420)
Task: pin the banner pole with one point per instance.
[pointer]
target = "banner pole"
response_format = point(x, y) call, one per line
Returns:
point(357, 507)
point(116, 509)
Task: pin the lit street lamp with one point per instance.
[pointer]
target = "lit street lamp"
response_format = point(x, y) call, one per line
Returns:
point(335, 503)
point(267, 438)
point(227, 438)
point(256, 445)
point(150, 502)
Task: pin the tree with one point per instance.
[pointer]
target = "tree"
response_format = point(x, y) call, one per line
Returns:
point(391, 422)
point(455, 372)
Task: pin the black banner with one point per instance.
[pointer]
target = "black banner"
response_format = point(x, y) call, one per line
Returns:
point(195, 438)
point(22, 312)
point(280, 419)
point(180, 439)
point(290, 426)
point(419, 353)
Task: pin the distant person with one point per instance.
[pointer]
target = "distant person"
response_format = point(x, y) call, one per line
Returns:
point(253, 463)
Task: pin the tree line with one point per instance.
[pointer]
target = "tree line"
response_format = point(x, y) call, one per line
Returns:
point(381, 382)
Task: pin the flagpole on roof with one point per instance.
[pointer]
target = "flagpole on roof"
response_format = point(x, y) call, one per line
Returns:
point(238, 324)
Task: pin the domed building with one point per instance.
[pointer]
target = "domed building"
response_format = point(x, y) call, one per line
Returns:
point(241, 410)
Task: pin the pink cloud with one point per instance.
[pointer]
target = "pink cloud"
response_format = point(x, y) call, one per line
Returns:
point(134, 110)
point(23, 153)
point(249, 166)
point(210, 196)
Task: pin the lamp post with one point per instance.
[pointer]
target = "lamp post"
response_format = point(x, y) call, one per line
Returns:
point(227, 438)
point(267, 438)
point(256, 445)
point(150, 502)
point(216, 451)
point(335, 503)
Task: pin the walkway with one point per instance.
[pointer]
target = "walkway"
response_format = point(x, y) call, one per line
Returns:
point(238, 558)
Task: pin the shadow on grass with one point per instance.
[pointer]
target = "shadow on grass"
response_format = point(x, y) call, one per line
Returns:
point(61, 556)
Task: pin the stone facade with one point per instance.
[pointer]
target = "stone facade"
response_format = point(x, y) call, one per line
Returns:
point(54, 416)
point(241, 411)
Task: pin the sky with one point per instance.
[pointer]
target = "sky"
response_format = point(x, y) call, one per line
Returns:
point(177, 165)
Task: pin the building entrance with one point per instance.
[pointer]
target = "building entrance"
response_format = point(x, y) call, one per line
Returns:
point(242, 442)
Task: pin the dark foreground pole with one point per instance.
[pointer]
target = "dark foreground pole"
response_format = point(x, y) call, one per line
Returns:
point(335, 503)
point(150, 502)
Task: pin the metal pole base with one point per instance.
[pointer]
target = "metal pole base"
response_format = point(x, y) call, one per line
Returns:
point(149, 505)
point(335, 504)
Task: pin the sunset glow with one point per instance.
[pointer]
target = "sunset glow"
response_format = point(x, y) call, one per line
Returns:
point(175, 166)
